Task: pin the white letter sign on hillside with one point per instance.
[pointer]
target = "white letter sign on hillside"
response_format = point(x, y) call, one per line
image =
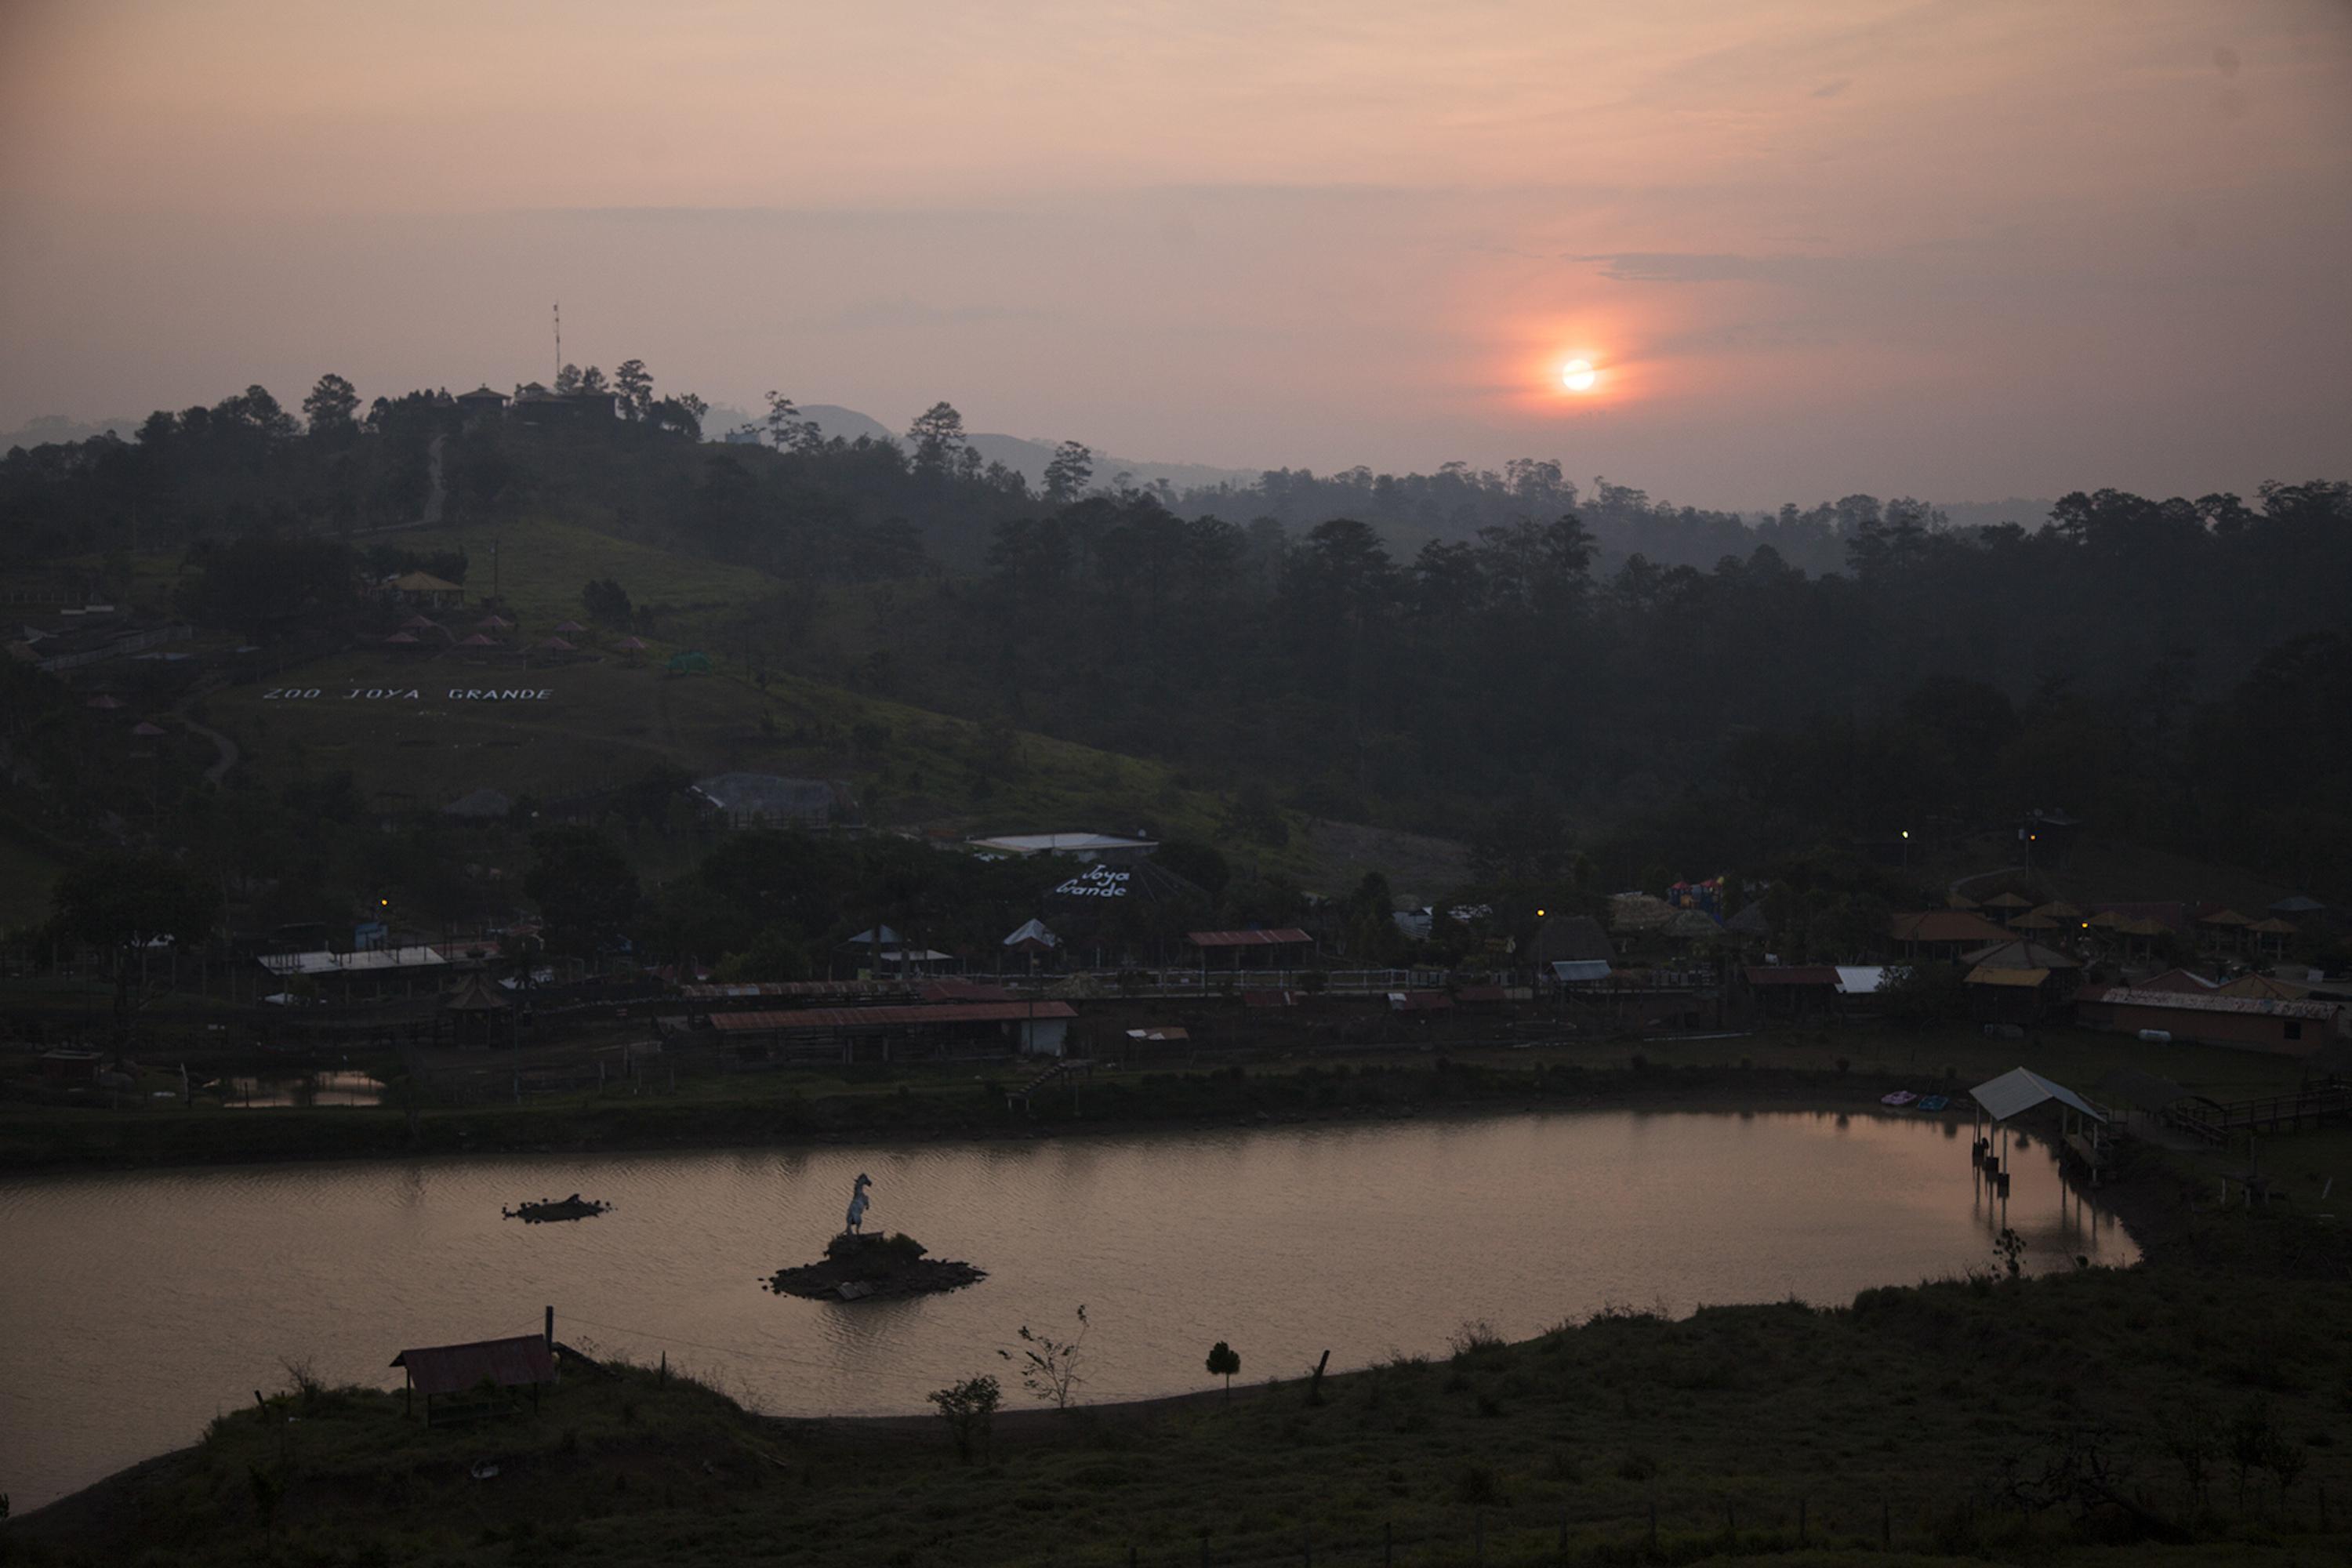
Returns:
point(1101, 882)
point(395, 694)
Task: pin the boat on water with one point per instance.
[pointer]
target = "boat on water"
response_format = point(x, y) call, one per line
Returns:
point(1935, 1103)
point(1899, 1099)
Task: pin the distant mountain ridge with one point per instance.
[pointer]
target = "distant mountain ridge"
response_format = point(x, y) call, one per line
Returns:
point(1029, 457)
point(52, 429)
point(1024, 456)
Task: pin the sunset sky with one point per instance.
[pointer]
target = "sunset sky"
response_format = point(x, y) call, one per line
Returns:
point(1958, 251)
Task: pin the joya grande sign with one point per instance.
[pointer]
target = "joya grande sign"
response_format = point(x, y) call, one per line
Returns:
point(412, 694)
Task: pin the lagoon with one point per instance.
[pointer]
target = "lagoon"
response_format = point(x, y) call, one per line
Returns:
point(140, 1305)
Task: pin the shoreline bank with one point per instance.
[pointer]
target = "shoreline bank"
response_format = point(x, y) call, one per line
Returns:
point(48, 1142)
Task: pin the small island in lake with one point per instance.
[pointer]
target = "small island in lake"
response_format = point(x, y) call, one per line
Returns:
point(857, 1266)
point(549, 1209)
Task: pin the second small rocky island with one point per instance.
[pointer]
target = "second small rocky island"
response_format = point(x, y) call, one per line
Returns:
point(859, 1267)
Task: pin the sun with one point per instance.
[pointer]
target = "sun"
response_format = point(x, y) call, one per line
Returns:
point(1578, 376)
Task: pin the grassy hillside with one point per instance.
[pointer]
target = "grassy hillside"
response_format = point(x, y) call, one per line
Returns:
point(609, 722)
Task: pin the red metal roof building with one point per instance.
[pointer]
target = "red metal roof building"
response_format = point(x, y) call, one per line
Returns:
point(1792, 974)
point(1268, 945)
point(1943, 933)
point(939, 1030)
point(2252, 1023)
point(438, 1370)
point(894, 1017)
point(1281, 936)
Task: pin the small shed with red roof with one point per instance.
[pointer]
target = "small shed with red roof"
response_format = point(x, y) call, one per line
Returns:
point(1281, 947)
point(487, 1371)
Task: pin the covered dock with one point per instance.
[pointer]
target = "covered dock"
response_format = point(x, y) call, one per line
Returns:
point(2001, 1099)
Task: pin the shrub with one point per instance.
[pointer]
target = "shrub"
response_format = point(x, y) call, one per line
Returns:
point(969, 1410)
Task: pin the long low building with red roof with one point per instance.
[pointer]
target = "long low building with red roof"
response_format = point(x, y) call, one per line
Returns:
point(886, 1034)
point(2249, 1023)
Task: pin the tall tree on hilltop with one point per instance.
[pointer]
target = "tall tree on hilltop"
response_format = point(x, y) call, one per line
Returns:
point(331, 408)
point(636, 386)
point(937, 439)
point(1067, 474)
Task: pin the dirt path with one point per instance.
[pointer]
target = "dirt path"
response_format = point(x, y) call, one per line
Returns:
point(436, 491)
point(228, 756)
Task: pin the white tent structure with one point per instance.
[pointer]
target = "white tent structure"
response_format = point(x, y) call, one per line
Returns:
point(2019, 1090)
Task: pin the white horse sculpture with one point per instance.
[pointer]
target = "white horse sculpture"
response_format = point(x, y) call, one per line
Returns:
point(857, 1201)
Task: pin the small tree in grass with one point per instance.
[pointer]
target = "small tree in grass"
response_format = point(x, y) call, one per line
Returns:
point(969, 1409)
point(1049, 1367)
point(1223, 1361)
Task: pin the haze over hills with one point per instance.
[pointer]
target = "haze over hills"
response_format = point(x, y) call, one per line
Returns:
point(49, 429)
point(1028, 458)
point(1024, 456)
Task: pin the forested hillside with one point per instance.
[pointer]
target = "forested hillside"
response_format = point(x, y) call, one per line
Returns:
point(1501, 656)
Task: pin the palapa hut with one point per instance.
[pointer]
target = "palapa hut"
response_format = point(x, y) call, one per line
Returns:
point(2271, 935)
point(2006, 907)
point(479, 1014)
point(424, 589)
point(2223, 928)
point(2018, 981)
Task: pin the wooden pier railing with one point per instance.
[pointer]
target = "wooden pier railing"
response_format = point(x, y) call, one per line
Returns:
point(2312, 1106)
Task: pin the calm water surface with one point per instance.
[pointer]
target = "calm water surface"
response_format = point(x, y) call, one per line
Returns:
point(137, 1306)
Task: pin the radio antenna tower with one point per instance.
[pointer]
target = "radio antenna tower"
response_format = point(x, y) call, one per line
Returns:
point(559, 339)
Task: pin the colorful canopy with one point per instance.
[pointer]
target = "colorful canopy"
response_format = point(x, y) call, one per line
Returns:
point(478, 640)
point(557, 645)
point(572, 626)
point(406, 639)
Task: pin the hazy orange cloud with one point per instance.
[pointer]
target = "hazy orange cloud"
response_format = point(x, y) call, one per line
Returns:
point(1809, 245)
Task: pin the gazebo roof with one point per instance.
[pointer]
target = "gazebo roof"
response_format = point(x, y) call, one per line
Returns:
point(476, 993)
point(2018, 955)
point(2008, 901)
point(2019, 1090)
